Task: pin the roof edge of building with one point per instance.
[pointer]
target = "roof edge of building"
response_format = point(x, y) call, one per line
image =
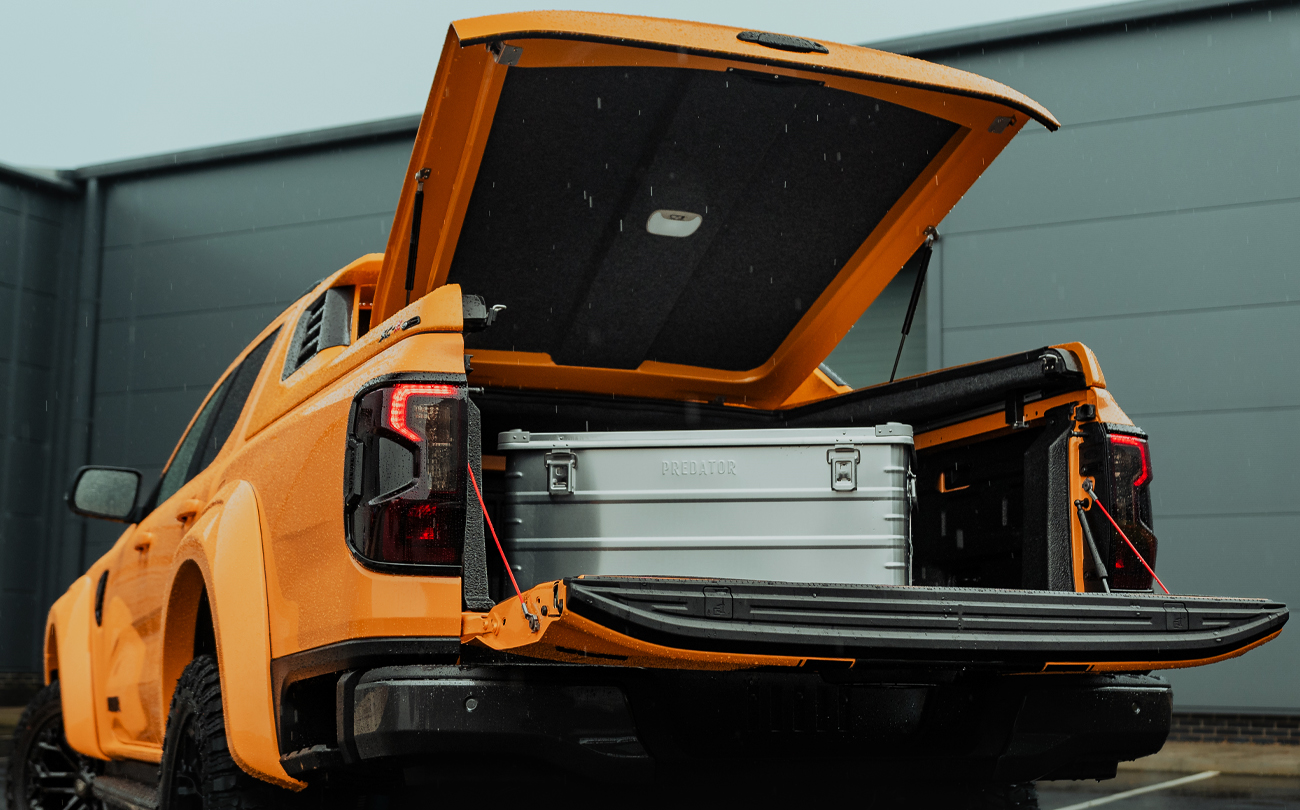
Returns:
point(1064, 23)
point(278, 144)
point(1068, 22)
point(49, 181)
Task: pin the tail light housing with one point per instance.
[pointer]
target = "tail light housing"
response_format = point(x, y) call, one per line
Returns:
point(1118, 458)
point(404, 476)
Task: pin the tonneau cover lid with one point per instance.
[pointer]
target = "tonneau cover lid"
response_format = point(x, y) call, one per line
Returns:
point(675, 209)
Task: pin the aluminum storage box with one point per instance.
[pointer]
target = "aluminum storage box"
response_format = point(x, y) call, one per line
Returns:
point(794, 505)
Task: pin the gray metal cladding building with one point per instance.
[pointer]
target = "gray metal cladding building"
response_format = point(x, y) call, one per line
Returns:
point(1158, 226)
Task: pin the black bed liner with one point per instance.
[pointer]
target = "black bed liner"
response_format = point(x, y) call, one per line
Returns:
point(926, 401)
point(966, 627)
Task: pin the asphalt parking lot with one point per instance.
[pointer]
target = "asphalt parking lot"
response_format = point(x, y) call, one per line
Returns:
point(1122, 793)
point(1165, 791)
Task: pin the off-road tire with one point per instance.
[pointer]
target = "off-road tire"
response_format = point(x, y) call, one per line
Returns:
point(39, 746)
point(198, 772)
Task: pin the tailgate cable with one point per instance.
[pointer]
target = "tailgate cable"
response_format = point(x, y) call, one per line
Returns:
point(533, 622)
point(1087, 487)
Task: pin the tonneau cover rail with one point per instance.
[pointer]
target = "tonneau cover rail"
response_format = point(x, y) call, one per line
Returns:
point(925, 401)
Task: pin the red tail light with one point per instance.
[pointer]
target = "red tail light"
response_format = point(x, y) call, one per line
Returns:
point(1118, 458)
point(404, 487)
point(1137, 459)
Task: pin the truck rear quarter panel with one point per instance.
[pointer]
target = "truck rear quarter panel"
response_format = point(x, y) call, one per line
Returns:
point(316, 590)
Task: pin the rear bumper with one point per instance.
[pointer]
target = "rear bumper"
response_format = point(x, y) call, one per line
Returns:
point(625, 724)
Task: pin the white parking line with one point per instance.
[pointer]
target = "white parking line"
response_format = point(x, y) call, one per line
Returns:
point(1114, 797)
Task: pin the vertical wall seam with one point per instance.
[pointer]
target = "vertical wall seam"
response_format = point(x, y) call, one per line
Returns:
point(10, 435)
point(82, 376)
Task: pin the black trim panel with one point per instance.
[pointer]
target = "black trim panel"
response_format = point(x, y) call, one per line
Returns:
point(995, 629)
point(355, 654)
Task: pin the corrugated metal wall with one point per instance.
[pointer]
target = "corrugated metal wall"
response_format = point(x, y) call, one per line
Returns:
point(1153, 227)
point(1158, 226)
point(38, 252)
point(196, 262)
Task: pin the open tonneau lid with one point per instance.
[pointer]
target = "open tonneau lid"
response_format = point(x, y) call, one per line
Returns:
point(674, 209)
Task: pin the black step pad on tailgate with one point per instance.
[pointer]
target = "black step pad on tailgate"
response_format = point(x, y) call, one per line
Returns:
point(999, 629)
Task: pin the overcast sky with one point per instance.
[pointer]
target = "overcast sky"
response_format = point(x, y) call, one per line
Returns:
point(86, 81)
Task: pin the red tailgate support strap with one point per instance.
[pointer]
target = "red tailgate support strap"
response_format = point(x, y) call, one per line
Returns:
point(1087, 486)
point(533, 621)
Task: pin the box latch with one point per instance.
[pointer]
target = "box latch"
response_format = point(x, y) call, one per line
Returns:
point(844, 468)
point(560, 468)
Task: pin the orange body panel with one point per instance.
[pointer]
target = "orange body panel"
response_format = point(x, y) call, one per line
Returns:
point(69, 627)
point(317, 591)
point(242, 624)
point(271, 557)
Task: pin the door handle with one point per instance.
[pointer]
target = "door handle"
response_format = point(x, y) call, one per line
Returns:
point(188, 509)
point(142, 541)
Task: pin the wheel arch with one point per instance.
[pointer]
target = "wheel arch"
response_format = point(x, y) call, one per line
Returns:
point(181, 620)
point(68, 644)
point(51, 657)
point(221, 562)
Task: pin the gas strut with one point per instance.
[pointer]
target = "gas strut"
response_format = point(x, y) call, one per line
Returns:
point(1092, 544)
point(926, 251)
point(416, 210)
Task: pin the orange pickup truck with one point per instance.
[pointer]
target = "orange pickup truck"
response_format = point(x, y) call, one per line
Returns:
point(633, 227)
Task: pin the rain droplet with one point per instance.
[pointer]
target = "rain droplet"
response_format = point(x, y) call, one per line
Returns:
point(598, 102)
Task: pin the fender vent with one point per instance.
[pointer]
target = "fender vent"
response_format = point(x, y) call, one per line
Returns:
point(325, 322)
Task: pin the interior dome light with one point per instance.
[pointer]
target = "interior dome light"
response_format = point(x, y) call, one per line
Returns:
point(673, 223)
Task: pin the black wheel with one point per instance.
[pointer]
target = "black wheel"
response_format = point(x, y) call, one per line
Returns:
point(44, 772)
point(198, 772)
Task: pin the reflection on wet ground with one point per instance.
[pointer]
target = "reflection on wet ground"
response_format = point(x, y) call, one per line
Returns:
point(1219, 792)
point(1214, 793)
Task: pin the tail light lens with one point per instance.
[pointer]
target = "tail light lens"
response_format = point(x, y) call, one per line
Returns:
point(404, 487)
point(1118, 458)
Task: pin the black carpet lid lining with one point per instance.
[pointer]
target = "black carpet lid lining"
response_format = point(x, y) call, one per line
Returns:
point(790, 179)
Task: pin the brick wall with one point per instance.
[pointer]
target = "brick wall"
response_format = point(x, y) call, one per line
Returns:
point(1267, 729)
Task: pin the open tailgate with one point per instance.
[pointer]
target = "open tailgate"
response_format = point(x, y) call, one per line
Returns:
point(721, 623)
